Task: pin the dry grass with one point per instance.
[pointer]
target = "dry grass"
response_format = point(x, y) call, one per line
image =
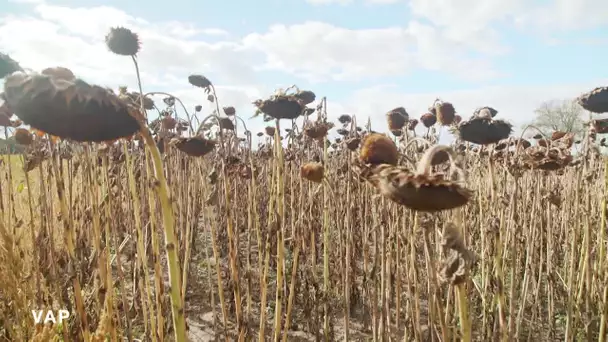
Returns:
point(266, 254)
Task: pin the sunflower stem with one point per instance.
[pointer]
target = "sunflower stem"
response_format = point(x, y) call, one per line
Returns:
point(177, 307)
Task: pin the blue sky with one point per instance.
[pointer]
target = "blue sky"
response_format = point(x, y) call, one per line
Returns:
point(367, 56)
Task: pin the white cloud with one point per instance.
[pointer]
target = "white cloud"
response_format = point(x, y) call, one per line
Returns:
point(314, 51)
point(329, 2)
point(475, 22)
point(320, 51)
point(383, 2)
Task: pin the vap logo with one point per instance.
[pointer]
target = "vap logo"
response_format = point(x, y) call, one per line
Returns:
point(50, 316)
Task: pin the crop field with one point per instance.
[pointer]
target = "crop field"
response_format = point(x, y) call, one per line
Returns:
point(193, 228)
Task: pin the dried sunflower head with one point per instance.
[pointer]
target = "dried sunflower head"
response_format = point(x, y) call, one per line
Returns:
point(428, 120)
point(312, 172)
point(281, 106)
point(199, 81)
point(270, 131)
point(8, 65)
point(226, 123)
point(318, 130)
point(595, 101)
point(195, 146)
point(23, 136)
point(306, 96)
point(397, 118)
point(229, 111)
point(547, 159)
point(411, 125)
point(344, 119)
point(352, 143)
point(72, 110)
point(484, 130)
point(123, 41)
point(59, 73)
point(421, 190)
point(445, 112)
point(378, 149)
point(599, 126)
point(485, 112)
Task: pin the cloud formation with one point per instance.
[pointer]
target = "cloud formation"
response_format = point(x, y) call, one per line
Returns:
point(455, 40)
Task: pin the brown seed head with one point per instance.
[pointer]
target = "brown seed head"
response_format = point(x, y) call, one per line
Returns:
point(226, 123)
point(378, 149)
point(70, 110)
point(445, 113)
point(595, 101)
point(344, 119)
point(198, 108)
point(60, 73)
point(483, 112)
point(270, 131)
point(353, 143)
point(557, 135)
point(397, 118)
point(168, 122)
point(8, 65)
point(195, 146)
point(23, 136)
point(483, 130)
point(411, 125)
point(123, 41)
point(229, 111)
point(428, 120)
point(200, 81)
point(281, 107)
point(318, 130)
point(312, 172)
point(306, 96)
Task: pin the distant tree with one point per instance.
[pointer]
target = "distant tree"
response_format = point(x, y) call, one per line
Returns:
point(559, 115)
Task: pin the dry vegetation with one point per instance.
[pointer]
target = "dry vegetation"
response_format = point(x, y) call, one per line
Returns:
point(173, 228)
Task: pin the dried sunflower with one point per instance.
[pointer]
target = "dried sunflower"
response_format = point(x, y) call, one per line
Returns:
point(23, 136)
point(411, 125)
point(445, 112)
point(600, 126)
point(484, 130)
point(229, 111)
point(397, 118)
point(485, 111)
point(548, 159)
point(226, 123)
point(344, 119)
point(195, 146)
point(318, 130)
point(199, 81)
point(59, 73)
point(72, 110)
point(378, 149)
point(270, 131)
point(123, 41)
point(595, 101)
point(312, 172)
point(281, 106)
point(421, 190)
point(428, 120)
point(352, 143)
point(306, 96)
point(8, 65)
